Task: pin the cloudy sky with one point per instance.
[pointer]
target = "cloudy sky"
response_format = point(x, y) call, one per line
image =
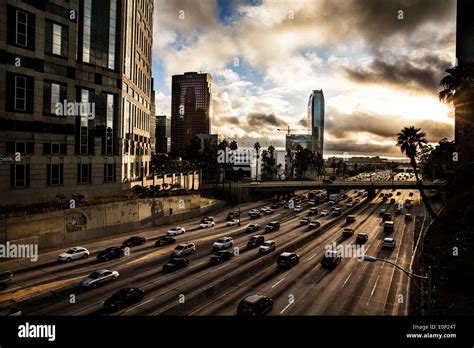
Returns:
point(378, 62)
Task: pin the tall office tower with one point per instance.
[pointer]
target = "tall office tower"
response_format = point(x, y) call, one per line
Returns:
point(163, 134)
point(464, 102)
point(316, 121)
point(75, 97)
point(191, 109)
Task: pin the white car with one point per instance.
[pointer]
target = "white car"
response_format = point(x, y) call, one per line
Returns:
point(183, 249)
point(298, 208)
point(74, 254)
point(324, 212)
point(267, 247)
point(233, 222)
point(253, 211)
point(174, 231)
point(207, 224)
point(223, 243)
point(99, 277)
point(388, 243)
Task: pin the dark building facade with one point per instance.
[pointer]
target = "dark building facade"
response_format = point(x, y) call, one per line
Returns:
point(163, 134)
point(191, 109)
point(316, 120)
point(75, 97)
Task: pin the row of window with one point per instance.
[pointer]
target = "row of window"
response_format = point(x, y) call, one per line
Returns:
point(20, 174)
point(26, 147)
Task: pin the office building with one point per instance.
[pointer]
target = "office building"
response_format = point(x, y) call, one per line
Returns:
point(316, 121)
point(163, 134)
point(75, 97)
point(191, 108)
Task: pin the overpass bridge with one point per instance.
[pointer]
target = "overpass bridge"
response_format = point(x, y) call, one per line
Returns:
point(249, 191)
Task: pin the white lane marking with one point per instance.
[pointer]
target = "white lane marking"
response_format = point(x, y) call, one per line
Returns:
point(140, 304)
point(373, 290)
point(197, 264)
point(278, 282)
point(311, 257)
point(347, 279)
point(287, 306)
point(221, 266)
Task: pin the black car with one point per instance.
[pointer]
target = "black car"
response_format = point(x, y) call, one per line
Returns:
point(350, 219)
point(252, 228)
point(5, 279)
point(327, 181)
point(133, 241)
point(175, 264)
point(255, 306)
point(331, 259)
point(221, 256)
point(166, 240)
point(276, 205)
point(123, 298)
point(347, 233)
point(362, 238)
point(255, 241)
point(255, 215)
point(386, 217)
point(272, 226)
point(232, 215)
point(288, 260)
point(110, 254)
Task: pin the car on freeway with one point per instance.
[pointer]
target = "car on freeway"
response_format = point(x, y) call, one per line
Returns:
point(331, 203)
point(183, 249)
point(410, 194)
point(268, 211)
point(99, 277)
point(175, 263)
point(166, 240)
point(384, 198)
point(263, 209)
point(304, 221)
point(398, 211)
point(223, 243)
point(327, 181)
point(174, 231)
point(297, 208)
point(255, 306)
point(336, 212)
point(399, 193)
point(272, 226)
point(357, 200)
point(382, 211)
point(10, 309)
point(362, 238)
point(381, 195)
point(361, 193)
point(388, 243)
point(255, 215)
point(349, 199)
point(110, 254)
point(233, 222)
point(287, 260)
point(221, 256)
point(253, 211)
point(133, 241)
point(311, 203)
point(331, 259)
point(74, 254)
point(347, 233)
point(349, 204)
point(267, 247)
point(232, 215)
point(313, 211)
point(314, 224)
point(252, 228)
point(5, 278)
point(207, 224)
point(392, 200)
point(207, 218)
point(386, 217)
point(255, 241)
point(350, 219)
point(388, 226)
point(124, 297)
point(324, 212)
point(408, 217)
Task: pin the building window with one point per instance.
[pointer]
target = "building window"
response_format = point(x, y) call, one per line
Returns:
point(112, 30)
point(57, 29)
point(54, 149)
point(109, 172)
point(19, 175)
point(84, 124)
point(109, 131)
point(84, 173)
point(54, 93)
point(21, 28)
point(20, 93)
point(56, 38)
point(55, 174)
point(86, 38)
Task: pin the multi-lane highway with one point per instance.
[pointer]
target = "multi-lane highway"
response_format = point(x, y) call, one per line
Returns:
point(351, 288)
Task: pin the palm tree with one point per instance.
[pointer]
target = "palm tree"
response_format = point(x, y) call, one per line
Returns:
point(257, 147)
point(411, 140)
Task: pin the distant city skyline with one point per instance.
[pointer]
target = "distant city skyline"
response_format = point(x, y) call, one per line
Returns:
point(379, 68)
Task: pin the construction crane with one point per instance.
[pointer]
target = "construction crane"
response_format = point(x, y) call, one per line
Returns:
point(289, 130)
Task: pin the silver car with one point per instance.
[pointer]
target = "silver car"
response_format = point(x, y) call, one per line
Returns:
point(74, 254)
point(99, 277)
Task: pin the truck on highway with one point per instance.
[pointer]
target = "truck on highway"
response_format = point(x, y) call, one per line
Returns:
point(335, 197)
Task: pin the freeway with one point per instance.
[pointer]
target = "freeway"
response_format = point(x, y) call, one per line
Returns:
point(50, 288)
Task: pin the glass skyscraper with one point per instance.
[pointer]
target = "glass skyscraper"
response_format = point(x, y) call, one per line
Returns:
point(316, 120)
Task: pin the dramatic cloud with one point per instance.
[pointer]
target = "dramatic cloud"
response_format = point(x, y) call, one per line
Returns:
point(257, 120)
